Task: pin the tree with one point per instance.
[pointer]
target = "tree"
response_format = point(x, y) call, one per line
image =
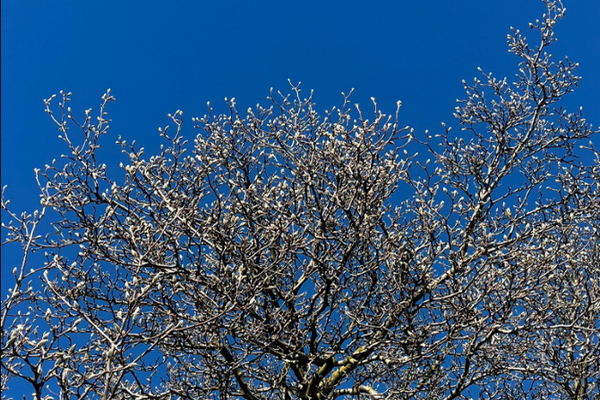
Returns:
point(292, 255)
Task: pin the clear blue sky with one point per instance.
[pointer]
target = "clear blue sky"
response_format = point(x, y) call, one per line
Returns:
point(160, 56)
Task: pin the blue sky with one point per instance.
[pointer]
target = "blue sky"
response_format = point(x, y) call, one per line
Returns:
point(160, 56)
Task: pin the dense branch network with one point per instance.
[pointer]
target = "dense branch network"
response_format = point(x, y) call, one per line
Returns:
point(292, 254)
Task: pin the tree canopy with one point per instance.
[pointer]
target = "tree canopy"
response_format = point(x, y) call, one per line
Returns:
point(290, 253)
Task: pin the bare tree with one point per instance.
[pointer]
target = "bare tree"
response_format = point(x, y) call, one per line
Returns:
point(288, 254)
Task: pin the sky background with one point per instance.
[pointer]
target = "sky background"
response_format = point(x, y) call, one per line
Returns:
point(160, 56)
